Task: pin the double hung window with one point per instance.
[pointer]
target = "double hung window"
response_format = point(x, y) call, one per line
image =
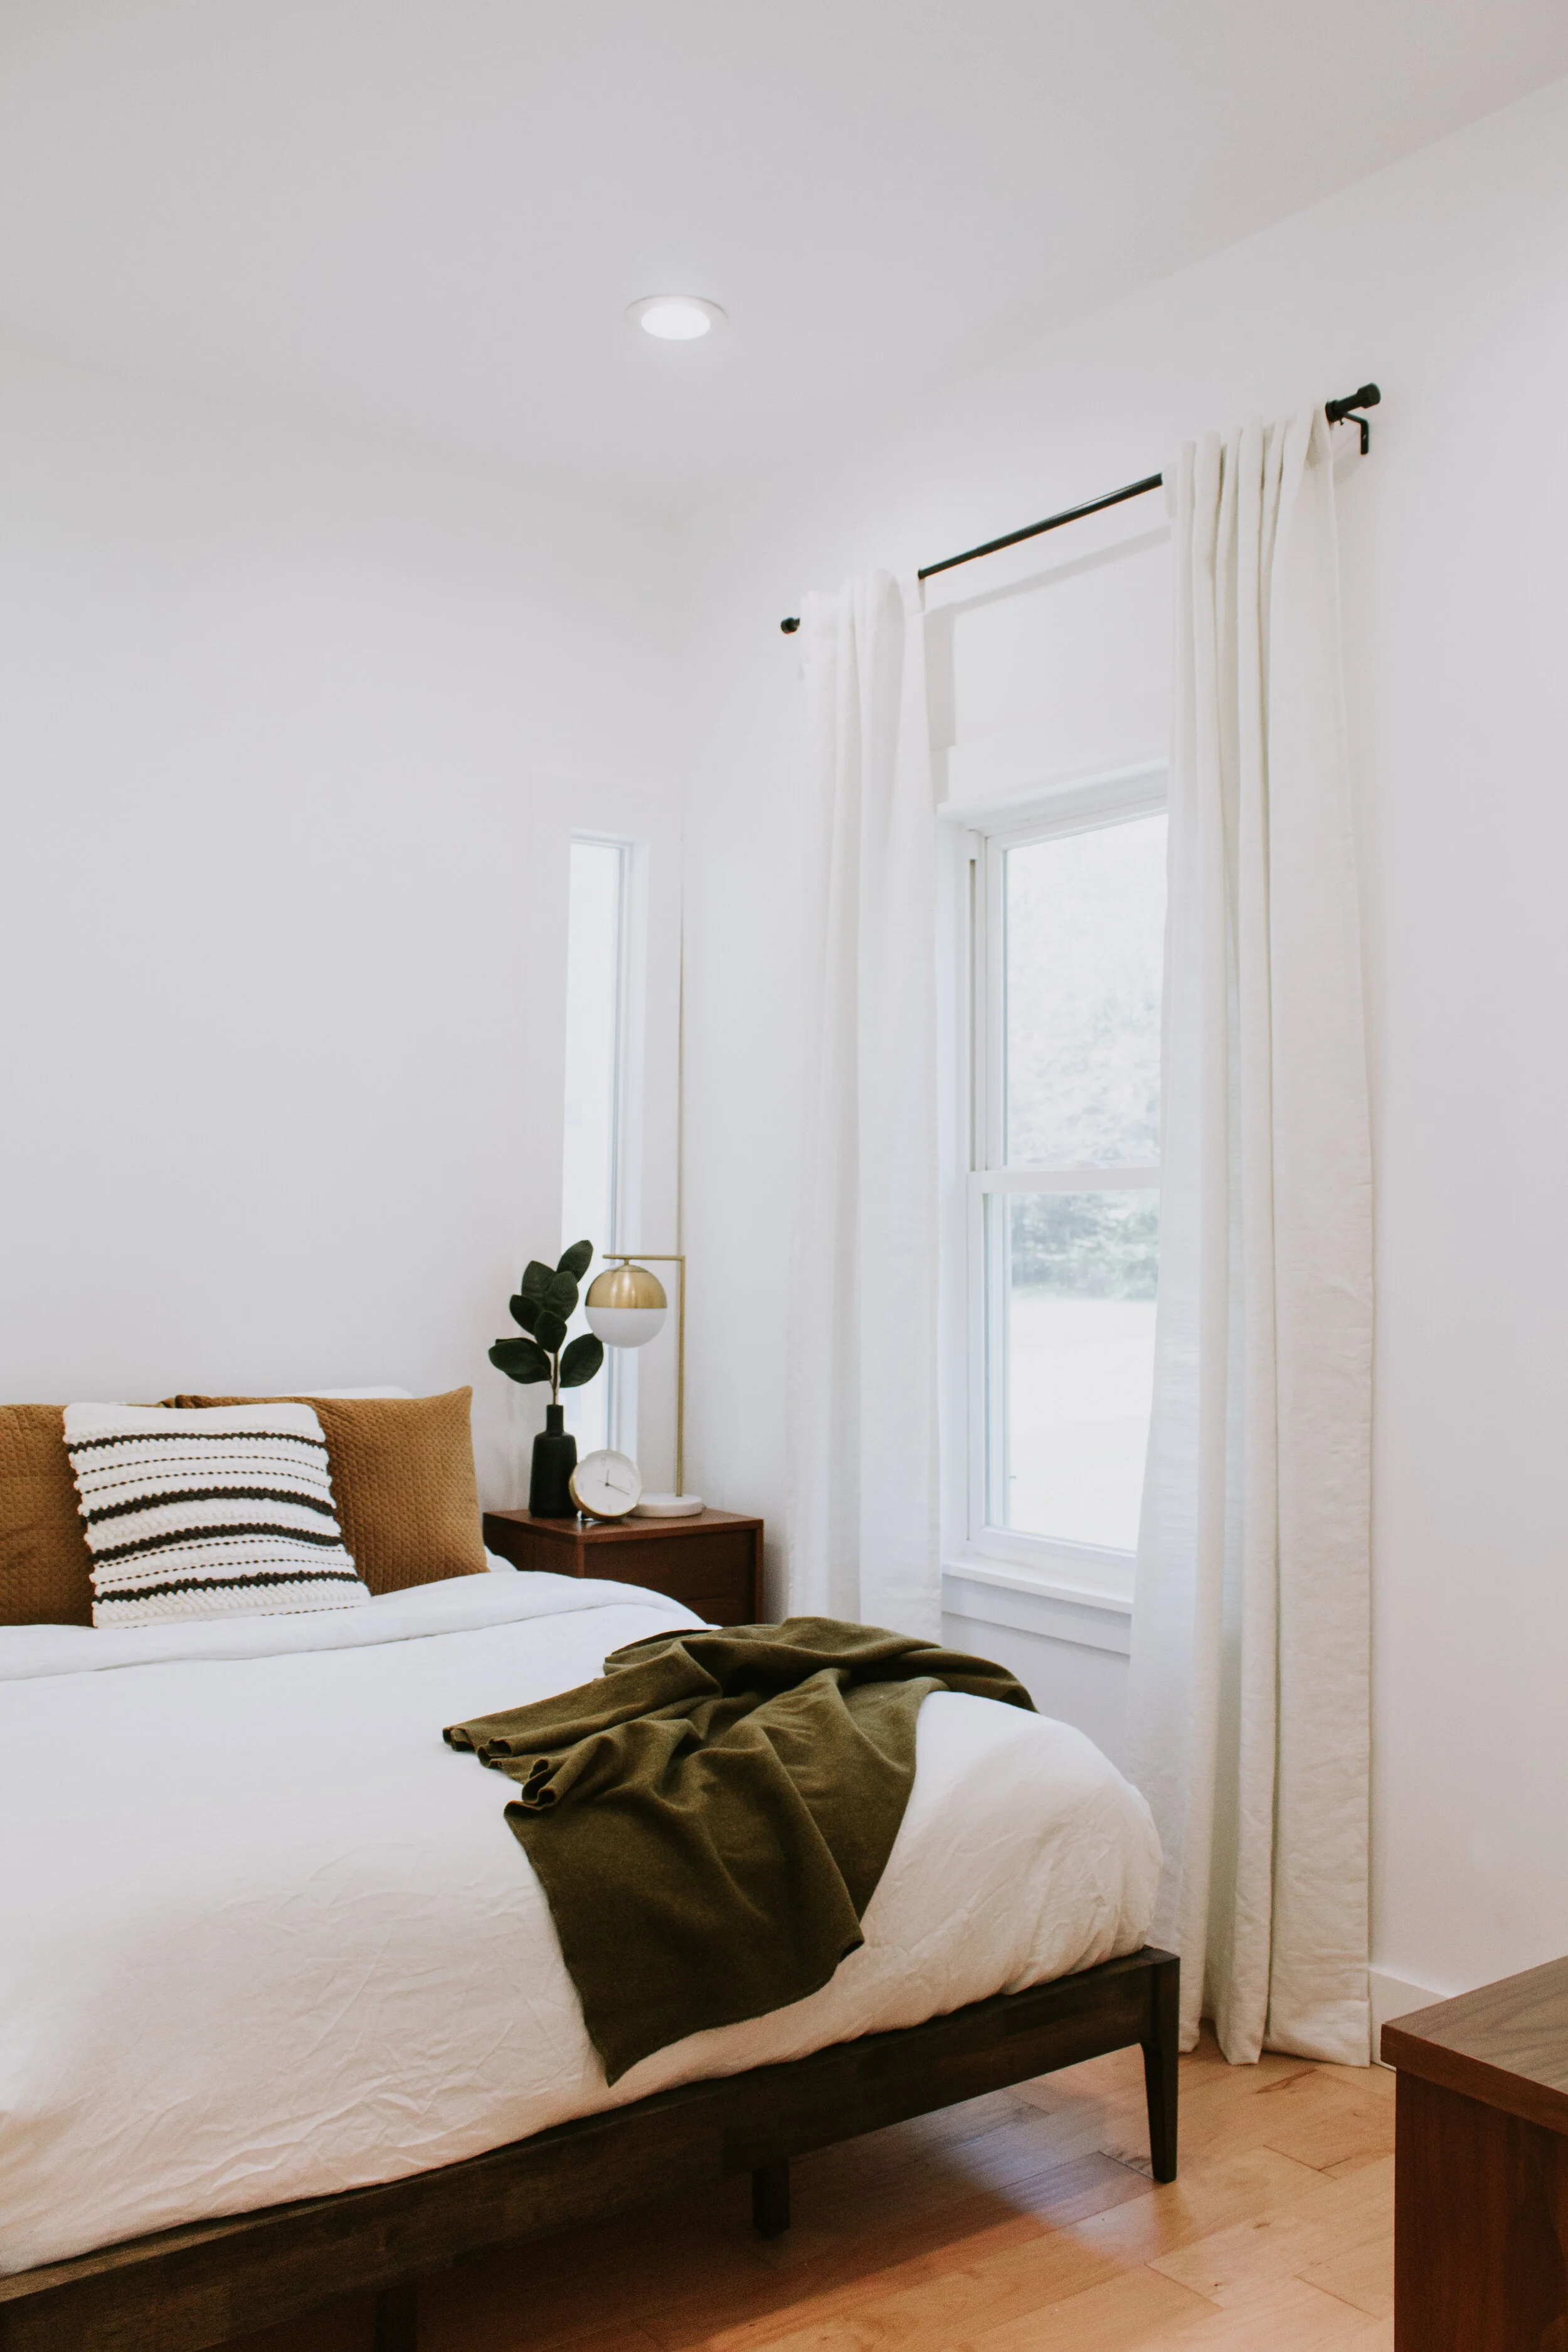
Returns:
point(1061, 1198)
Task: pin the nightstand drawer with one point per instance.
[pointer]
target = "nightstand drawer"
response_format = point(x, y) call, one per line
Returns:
point(712, 1562)
point(730, 1608)
point(721, 1563)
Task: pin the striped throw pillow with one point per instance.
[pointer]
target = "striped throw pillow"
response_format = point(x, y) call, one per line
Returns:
point(215, 1513)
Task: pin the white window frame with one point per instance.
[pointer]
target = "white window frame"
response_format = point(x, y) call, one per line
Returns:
point(978, 837)
point(620, 1372)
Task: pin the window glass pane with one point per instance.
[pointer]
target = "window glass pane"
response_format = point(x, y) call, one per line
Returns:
point(1069, 1283)
point(594, 931)
point(1084, 918)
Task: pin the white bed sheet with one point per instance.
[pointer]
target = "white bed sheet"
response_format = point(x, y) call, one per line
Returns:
point(264, 1935)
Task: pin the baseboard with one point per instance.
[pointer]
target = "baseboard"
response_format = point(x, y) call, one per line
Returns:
point(1396, 1997)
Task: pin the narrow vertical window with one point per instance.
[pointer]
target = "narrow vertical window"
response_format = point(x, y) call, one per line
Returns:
point(1064, 1195)
point(595, 1172)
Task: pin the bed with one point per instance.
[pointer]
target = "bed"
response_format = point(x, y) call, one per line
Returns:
point(282, 2011)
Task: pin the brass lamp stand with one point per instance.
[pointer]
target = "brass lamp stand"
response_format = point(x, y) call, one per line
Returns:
point(626, 1306)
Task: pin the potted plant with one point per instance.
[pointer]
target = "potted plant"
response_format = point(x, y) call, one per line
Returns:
point(544, 1305)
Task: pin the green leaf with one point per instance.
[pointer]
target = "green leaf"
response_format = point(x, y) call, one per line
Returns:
point(560, 1297)
point(549, 1330)
point(576, 1261)
point(522, 1310)
point(582, 1359)
point(536, 1281)
point(519, 1359)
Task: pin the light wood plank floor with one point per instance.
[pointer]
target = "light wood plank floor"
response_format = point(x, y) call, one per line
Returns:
point(1025, 2219)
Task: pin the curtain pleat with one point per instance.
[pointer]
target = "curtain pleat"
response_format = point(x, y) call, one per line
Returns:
point(1249, 1695)
point(862, 1388)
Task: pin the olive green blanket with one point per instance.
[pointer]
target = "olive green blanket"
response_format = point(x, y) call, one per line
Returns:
point(709, 1820)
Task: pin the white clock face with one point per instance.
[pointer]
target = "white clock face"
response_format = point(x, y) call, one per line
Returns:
point(605, 1484)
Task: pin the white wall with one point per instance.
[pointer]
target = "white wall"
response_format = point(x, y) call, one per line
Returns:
point(294, 725)
point(1446, 279)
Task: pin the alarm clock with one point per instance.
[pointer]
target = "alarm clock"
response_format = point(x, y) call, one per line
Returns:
point(605, 1484)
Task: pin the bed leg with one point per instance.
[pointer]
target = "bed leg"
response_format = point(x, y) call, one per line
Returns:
point(1160, 2054)
point(397, 2318)
point(770, 2199)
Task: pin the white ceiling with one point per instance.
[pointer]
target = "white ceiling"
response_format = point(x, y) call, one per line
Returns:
point(431, 214)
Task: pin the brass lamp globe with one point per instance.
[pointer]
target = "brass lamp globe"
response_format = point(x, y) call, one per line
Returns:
point(626, 1306)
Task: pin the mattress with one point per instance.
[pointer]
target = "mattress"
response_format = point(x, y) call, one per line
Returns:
point(264, 1935)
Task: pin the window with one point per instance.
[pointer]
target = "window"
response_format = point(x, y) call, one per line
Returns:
point(1061, 1201)
point(597, 1177)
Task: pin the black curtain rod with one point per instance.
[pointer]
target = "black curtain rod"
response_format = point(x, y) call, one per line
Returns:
point(1336, 411)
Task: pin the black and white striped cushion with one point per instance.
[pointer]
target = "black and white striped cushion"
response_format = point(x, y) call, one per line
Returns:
point(227, 1512)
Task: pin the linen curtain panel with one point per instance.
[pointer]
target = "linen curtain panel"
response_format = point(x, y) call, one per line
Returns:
point(862, 1384)
point(1248, 1693)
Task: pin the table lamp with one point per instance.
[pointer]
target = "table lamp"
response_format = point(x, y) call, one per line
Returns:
point(625, 1305)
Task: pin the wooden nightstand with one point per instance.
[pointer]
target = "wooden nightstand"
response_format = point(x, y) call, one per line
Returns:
point(712, 1561)
point(1480, 2168)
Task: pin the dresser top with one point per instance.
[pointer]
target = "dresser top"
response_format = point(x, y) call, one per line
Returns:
point(598, 1531)
point(1505, 2044)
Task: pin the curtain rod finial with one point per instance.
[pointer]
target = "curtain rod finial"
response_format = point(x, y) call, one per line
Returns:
point(1343, 412)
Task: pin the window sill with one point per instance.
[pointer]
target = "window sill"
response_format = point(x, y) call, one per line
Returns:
point(1055, 1612)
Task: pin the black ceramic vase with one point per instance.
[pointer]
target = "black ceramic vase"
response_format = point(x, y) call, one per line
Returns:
point(554, 1459)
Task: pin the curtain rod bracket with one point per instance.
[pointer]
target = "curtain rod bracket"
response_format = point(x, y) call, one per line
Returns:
point(1344, 411)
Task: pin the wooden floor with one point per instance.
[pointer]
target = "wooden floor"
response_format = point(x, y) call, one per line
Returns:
point(1023, 2220)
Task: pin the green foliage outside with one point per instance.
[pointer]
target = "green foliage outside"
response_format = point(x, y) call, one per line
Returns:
point(1083, 1245)
point(1084, 917)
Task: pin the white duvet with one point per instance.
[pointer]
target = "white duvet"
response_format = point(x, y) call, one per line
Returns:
point(264, 1935)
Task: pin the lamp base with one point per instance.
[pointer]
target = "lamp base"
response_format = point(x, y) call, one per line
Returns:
point(667, 1506)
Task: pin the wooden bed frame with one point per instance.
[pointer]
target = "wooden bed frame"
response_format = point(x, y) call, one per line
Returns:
point(185, 2289)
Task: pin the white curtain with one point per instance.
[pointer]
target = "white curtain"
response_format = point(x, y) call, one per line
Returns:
point(862, 1372)
point(1248, 1696)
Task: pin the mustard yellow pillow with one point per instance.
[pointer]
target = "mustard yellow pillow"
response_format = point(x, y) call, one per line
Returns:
point(403, 1480)
point(45, 1569)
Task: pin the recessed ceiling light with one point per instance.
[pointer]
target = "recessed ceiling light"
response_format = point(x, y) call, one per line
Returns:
point(675, 318)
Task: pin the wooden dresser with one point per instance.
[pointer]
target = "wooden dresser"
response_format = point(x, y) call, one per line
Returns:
point(1480, 2253)
point(712, 1561)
